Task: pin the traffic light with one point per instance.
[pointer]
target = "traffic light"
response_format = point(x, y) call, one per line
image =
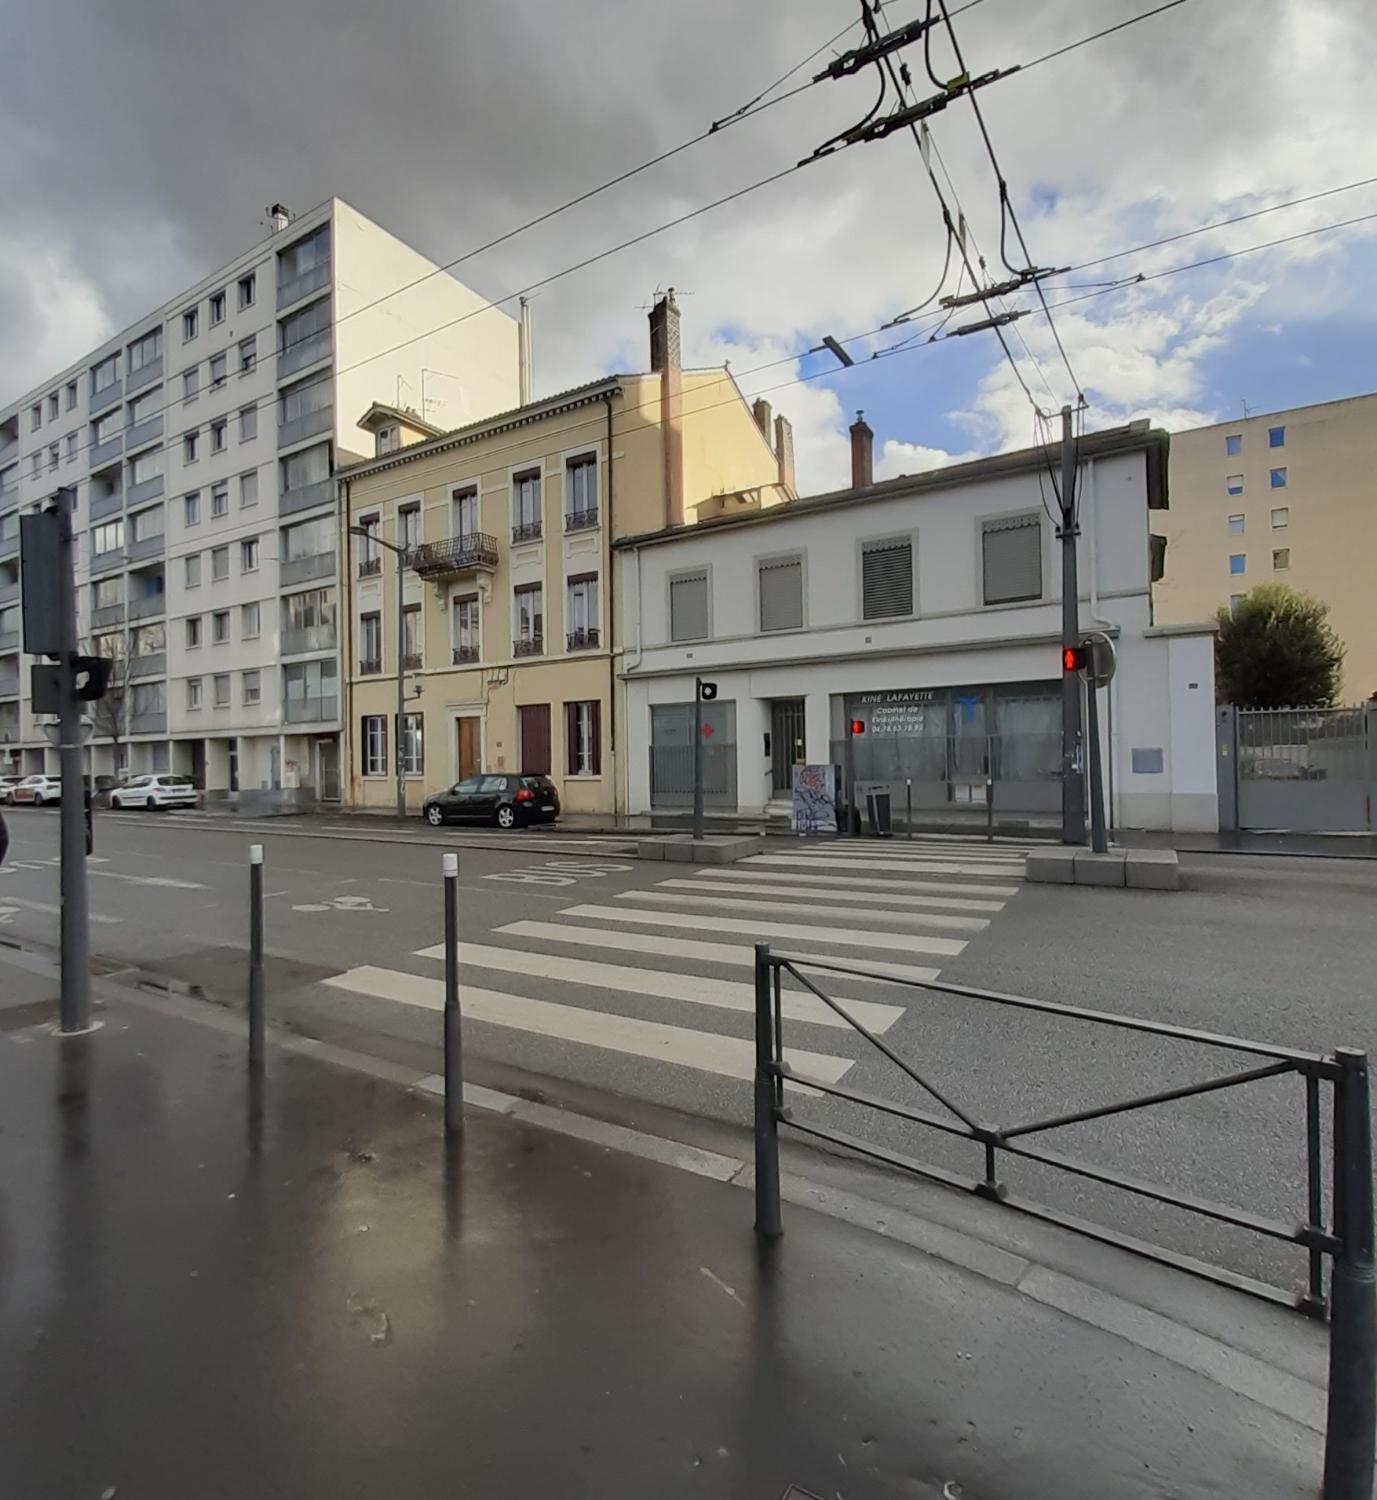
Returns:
point(707, 691)
point(92, 675)
point(1075, 658)
point(857, 726)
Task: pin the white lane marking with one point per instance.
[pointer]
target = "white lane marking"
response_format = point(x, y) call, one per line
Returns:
point(56, 911)
point(859, 862)
point(723, 994)
point(897, 894)
point(738, 955)
point(707, 1052)
point(747, 869)
point(162, 880)
point(763, 927)
point(879, 912)
point(917, 856)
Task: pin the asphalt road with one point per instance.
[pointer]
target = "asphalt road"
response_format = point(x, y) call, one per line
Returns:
point(596, 970)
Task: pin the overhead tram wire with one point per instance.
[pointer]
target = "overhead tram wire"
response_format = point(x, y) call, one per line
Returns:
point(1108, 31)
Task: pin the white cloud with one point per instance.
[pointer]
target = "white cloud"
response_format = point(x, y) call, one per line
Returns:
point(897, 458)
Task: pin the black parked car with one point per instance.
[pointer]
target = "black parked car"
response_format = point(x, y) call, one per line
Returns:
point(499, 797)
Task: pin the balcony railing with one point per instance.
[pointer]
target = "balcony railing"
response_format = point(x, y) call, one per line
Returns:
point(101, 399)
point(456, 554)
point(302, 569)
point(581, 520)
point(529, 645)
point(103, 454)
point(150, 430)
point(583, 640)
point(148, 721)
point(308, 638)
point(151, 664)
point(146, 546)
point(308, 351)
point(293, 288)
point(371, 667)
point(145, 489)
point(9, 685)
point(306, 497)
point(316, 710)
point(148, 605)
point(106, 615)
point(9, 545)
point(101, 562)
point(106, 505)
point(370, 567)
point(9, 590)
point(9, 639)
point(309, 425)
point(411, 661)
point(526, 531)
point(464, 656)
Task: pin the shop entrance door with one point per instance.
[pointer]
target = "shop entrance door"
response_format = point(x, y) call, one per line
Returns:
point(466, 760)
point(786, 743)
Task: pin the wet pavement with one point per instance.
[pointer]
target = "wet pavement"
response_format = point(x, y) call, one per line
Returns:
point(215, 1292)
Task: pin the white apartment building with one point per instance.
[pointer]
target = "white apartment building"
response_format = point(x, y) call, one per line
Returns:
point(201, 442)
point(926, 609)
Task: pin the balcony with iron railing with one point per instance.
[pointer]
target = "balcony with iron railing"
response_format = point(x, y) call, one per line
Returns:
point(370, 666)
point(370, 567)
point(529, 645)
point(526, 531)
point(411, 661)
point(581, 520)
point(455, 555)
point(587, 639)
point(464, 656)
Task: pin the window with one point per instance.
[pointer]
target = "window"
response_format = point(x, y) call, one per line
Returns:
point(409, 527)
point(411, 637)
point(217, 308)
point(413, 745)
point(581, 492)
point(71, 395)
point(217, 371)
point(1011, 553)
point(191, 382)
point(526, 506)
point(389, 440)
point(219, 564)
point(248, 555)
point(104, 375)
point(246, 290)
point(191, 320)
point(36, 416)
point(218, 431)
point(146, 524)
point(370, 643)
point(530, 620)
point(144, 406)
point(311, 617)
point(251, 686)
point(107, 592)
point(107, 538)
point(1233, 444)
point(220, 627)
point(148, 698)
point(688, 606)
point(148, 640)
point(191, 443)
point(145, 351)
point(466, 629)
point(248, 354)
point(71, 441)
point(192, 508)
point(192, 566)
point(1238, 562)
point(35, 464)
point(305, 325)
point(1236, 525)
point(111, 647)
point(310, 466)
point(248, 621)
point(54, 454)
point(248, 424)
point(1235, 600)
point(370, 560)
point(1278, 477)
point(464, 511)
point(219, 500)
point(248, 490)
point(582, 738)
point(54, 406)
point(1234, 484)
point(779, 583)
point(1281, 559)
point(193, 692)
point(307, 397)
point(310, 691)
point(222, 689)
point(308, 539)
point(374, 742)
point(1276, 437)
point(193, 632)
point(581, 611)
point(1281, 516)
point(304, 256)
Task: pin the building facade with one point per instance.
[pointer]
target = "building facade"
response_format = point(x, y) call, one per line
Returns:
point(201, 444)
point(509, 631)
point(927, 610)
point(1280, 498)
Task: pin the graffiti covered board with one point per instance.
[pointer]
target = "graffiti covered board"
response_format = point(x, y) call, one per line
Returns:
point(815, 808)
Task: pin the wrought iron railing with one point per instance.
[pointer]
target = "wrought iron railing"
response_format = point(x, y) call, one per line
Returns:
point(456, 554)
point(369, 566)
point(581, 520)
point(529, 645)
point(526, 531)
point(465, 655)
point(582, 640)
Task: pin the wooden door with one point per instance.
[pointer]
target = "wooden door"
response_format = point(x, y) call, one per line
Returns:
point(468, 752)
point(535, 739)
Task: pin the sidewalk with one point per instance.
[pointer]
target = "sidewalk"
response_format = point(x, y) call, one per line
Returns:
point(208, 1295)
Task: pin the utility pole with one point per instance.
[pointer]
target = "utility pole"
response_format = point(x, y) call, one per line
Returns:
point(76, 972)
point(1072, 777)
point(698, 757)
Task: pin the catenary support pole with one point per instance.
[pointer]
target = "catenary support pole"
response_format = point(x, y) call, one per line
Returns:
point(454, 1045)
point(1072, 781)
point(401, 678)
point(698, 757)
point(768, 1220)
point(75, 1008)
point(255, 955)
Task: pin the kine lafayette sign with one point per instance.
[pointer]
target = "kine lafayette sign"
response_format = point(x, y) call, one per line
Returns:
point(903, 711)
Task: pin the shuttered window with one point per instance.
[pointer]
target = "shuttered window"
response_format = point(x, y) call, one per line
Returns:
point(781, 593)
point(688, 606)
point(887, 578)
point(1012, 556)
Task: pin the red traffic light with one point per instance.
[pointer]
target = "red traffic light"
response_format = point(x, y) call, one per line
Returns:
point(858, 726)
point(1075, 658)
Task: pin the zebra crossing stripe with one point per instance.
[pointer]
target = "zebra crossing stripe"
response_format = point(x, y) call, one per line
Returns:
point(876, 862)
point(868, 897)
point(706, 1052)
point(743, 871)
point(878, 911)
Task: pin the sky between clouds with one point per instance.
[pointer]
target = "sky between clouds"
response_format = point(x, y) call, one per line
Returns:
point(144, 139)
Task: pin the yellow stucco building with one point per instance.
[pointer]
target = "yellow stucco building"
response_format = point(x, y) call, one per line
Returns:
point(509, 628)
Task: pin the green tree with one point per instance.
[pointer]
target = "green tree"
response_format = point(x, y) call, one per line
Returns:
point(1277, 649)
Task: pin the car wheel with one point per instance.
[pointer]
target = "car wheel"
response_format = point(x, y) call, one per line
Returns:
point(117, 802)
point(506, 817)
point(152, 804)
point(435, 815)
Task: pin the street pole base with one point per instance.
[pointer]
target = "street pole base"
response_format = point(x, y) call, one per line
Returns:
point(56, 1029)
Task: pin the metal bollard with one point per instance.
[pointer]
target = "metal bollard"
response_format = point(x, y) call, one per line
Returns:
point(989, 809)
point(768, 1220)
point(1351, 1422)
point(255, 955)
point(454, 1047)
point(908, 808)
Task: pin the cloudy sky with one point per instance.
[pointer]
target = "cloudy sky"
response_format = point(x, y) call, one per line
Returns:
point(144, 138)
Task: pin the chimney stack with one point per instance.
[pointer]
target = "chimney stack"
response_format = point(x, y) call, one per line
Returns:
point(664, 333)
point(784, 452)
point(862, 454)
point(278, 217)
point(761, 411)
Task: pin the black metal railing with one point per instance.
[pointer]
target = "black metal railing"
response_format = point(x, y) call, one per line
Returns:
point(529, 645)
point(370, 666)
point(411, 661)
point(526, 531)
point(464, 655)
point(368, 566)
point(582, 640)
point(581, 520)
point(1347, 1239)
point(456, 554)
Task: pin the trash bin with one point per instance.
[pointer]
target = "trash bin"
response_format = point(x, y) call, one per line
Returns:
point(878, 811)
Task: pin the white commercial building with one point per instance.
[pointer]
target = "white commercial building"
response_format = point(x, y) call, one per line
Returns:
point(927, 610)
point(201, 443)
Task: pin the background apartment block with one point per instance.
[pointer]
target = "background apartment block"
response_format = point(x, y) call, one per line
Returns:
point(201, 442)
point(1280, 498)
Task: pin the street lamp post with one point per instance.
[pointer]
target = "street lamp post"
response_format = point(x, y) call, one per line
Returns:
point(400, 736)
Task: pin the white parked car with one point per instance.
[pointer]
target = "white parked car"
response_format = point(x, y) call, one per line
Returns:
point(37, 791)
point(7, 786)
point(156, 791)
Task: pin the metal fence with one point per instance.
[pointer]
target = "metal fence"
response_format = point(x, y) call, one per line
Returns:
point(939, 772)
point(1307, 769)
point(671, 775)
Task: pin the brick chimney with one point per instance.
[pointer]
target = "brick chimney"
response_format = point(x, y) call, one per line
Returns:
point(862, 453)
point(664, 333)
point(784, 452)
point(760, 410)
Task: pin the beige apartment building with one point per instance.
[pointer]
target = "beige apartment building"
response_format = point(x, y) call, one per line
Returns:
point(1280, 498)
point(510, 635)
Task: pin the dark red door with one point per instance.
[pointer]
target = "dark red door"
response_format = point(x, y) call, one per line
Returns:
point(535, 739)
